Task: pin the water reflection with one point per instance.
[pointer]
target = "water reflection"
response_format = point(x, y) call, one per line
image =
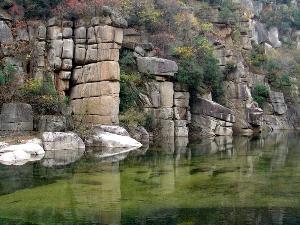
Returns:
point(223, 180)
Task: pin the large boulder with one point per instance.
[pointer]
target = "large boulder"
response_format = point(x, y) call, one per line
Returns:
point(30, 148)
point(21, 154)
point(156, 66)
point(109, 140)
point(111, 137)
point(16, 117)
point(54, 141)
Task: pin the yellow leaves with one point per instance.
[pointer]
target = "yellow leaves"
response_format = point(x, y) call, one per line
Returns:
point(190, 21)
point(185, 52)
point(150, 14)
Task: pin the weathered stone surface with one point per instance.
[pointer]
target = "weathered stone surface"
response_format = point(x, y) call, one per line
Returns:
point(167, 128)
point(101, 71)
point(110, 129)
point(181, 99)
point(17, 112)
point(140, 134)
point(68, 49)
point(107, 33)
point(91, 54)
point(53, 141)
point(22, 34)
point(223, 131)
point(67, 32)
point(273, 36)
point(156, 66)
point(115, 15)
point(153, 90)
point(97, 119)
point(6, 36)
point(161, 113)
point(67, 64)
point(255, 116)
point(205, 107)
point(54, 33)
point(105, 53)
point(166, 94)
point(91, 36)
point(180, 113)
point(30, 148)
point(80, 52)
point(52, 123)
point(80, 33)
point(278, 102)
point(110, 140)
point(103, 106)
point(95, 89)
point(181, 131)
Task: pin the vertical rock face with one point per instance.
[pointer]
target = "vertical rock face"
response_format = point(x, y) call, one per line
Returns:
point(16, 117)
point(95, 92)
point(211, 119)
point(166, 102)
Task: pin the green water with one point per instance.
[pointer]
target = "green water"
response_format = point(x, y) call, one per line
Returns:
point(240, 181)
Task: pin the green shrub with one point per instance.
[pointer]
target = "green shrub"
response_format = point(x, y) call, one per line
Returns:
point(257, 56)
point(133, 117)
point(42, 96)
point(230, 67)
point(126, 59)
point(201, 71)
point(7, 74)
point(260, 94)
point(129, 91)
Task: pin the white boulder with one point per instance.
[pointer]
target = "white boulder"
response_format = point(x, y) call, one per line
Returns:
point(110, 140)
point(30, 148)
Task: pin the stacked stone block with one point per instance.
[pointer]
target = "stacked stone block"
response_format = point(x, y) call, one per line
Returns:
point(166, 102)
point(95, 92)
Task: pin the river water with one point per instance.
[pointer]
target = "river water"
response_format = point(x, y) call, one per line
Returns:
point(226, 181)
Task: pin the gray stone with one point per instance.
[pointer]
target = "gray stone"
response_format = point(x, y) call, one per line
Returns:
point(278, 102)
point(166, 94)
point(52, 123)
point(140, 50)
point(273, 36)
point(209, 108)
point(140, 134)
point(67, 32)
point(80, 53)
point(156, 66)
point(255, 116)
point(6, 36)
point(67, 64)
point(110, 129)
point(54, 33)
point(68, 49)
point(181, 132)
point(223, 131)
point(17, 112)
point(22, 34)
point(56, 141)
point(167, 128)
point(80, 33)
